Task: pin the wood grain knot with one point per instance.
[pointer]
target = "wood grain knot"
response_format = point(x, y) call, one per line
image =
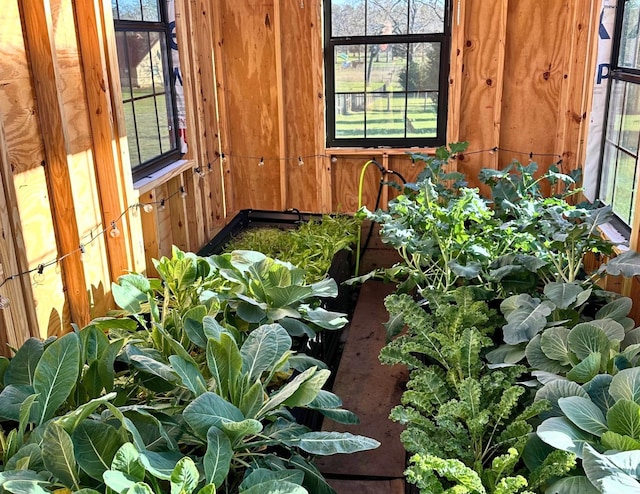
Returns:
point(489, 82)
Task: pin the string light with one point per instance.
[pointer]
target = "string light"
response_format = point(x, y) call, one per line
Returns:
point(261, 163)
point(300, 161)
point(39, 276)
point(223, 158)
point(115, 232)
point(183, 193)
point(147, 208)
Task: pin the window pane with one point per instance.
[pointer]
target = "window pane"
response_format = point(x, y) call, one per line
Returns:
point(385, 115)
point(426, 16)
point(608, 173)
point(123, 67)
point(131, 134)
point(150, 11)
point(631, 119)
point(349, 68)
point(350, 115)
point(165, 124)
point(629, 56)
point(147, 127)
point(385, 17)
point(387, 67)
point(623, 188)
point(422, 114)
point(128, 10)
point(347, 18)
point(424, 67)
point(614, 118)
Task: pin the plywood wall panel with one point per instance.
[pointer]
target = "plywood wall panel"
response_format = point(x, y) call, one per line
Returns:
point(251, 102)
point(346, 179)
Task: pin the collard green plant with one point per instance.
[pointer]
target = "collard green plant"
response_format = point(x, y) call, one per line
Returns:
point(466, 424)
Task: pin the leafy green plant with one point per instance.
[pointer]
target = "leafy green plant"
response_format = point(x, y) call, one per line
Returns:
point(466, 424)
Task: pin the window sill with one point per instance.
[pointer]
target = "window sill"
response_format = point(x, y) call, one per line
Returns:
point(172, 170)
point(613, 235)
point(377, 150)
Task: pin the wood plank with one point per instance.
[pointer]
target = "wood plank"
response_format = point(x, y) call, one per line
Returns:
point(163, 211)
point(370, 390)
point(363, 486)
point(455, 69)
point(150, 232)
point(280, 92)
point(177, 211)
point(38, 32)
point(346, 181)
point(112, 202)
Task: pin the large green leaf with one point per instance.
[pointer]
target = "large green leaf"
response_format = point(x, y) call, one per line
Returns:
point(29, 457)
point(24, 487)
point(524, 322)
point(208, 410)
point(578, 484)
point(624, 418)
point(252, 400)
point(160, 464)
point(275, 487)
point(598, 390)
point(119, 482)
point(130, 291)
point(217, 458)
point(313, 479)
point(557, 389)
point(625, 385)
point(606, 476)
point(280, 396)
point(72, 419)
point(127, 461)
point(626, 264)
point(584, 413)
point(95, 444)
point(185, 476)
point(224, 362)
point(562, 294)
point(23, 365)
point(613, 329)
point(326, 319)
point(330, 443)
point(506, 354)
point(538, 359)
point(330, 405)
point(11, 399)
point(554, 344)
point(261, 475)
point(587, 369)
point(58, 455)
point(56, 375)
point(238, 430)
point(189, 374)
point(586, 338)
point(151, 366)
point(193, 325)
point(617, 309)
point(560, 433)
point(617, 442)
point(263, 348)
point(139, 488)
point(308, 390)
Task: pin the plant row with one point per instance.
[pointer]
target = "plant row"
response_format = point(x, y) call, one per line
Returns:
point(191, 387)
point(523, 371)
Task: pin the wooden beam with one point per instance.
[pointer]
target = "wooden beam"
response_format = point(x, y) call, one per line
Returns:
point(178, 212)
point(112, 200)
point(38, 29)
point(455, 70)
point(280, 89)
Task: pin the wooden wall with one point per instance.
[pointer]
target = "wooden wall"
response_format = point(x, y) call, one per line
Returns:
point(520, 79)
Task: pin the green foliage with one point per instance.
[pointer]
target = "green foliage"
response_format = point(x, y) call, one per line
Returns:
point(466, 423)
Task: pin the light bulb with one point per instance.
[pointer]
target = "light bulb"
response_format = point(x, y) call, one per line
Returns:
point(199, 171)
point(261, 163)
point(334, 159)
point(4, 302)
point(114, 230)
point(223, 158)
point(38, 277)
point(82, 251)
point(161, 207)
point(147, 208)
point(300, 162)
point(183, 193)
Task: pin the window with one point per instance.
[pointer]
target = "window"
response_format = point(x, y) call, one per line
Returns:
point(386, 65)
point(143, 38)
point(619, 172)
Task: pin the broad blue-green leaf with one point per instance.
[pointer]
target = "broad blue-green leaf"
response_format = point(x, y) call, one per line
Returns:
point(325, 288)
point(524, 323)
point(208, 410)
point(217, 458)
point(71, 420)
point(130, 291)
point(118, 481)
point(155, 368)
point(617, 309)
point(326, 319)
point(282, 296)
point(598, 390)
point(562, 434)
point(185, 476)
point(302, 362)
point(586, 338)
point(224, 362)
point(263, 348)
point(280, 396)
point(160, 464)
point(314, 481)
point(330, 405)
point(58, 455)
point(261, 475)
point(562, 294)
point(282, 429)
point(189, 374)
point(506, 354)
point(578, 484)
point(330, 443)
point(584, 413)
point(308, 390)
point(237, 430)
point(613, 329)
point(557, 389)
point(250, 312)
point(193, 325)
point(626, 264)
point(617, 442)
point(23, 365)
point(625, 385)
point(29, 456)
point(624, 418)
point(208, 489)
point(275, 487)
point(139, 488)
point(212, 328)
point(587, 369)
point(95, 444)
point(606, 476)
point(252, 400)
point(295, 327)
point(468, 271)
point(538, 359)
point(127, 461)
point(24, 487)
point(554, 344)
point(56, 375)
point(11, 399)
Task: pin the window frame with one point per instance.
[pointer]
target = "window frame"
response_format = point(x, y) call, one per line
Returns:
point(164, 28)
point(626, 75)
point(330, 43)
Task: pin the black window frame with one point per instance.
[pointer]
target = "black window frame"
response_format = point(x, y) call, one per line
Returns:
point(147, 168)
point(330, 42)
point(627, 75)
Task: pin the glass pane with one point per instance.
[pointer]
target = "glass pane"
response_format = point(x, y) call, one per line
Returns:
point(131, 134)
point(385, 17)
point(623, 189)
point(123, 67)
point(424, 67)
point(385, 115)
point(422, 114)
point(347, 18)
point(350, 115)
point(631, 119)
point(387, 67)
point(129, 10)
point(629, 56)
point(147, 127)
point(614, 119)
point(165, 124)
point(150, 11)
point(426, 16)
point(114, 9)
point(349, 68)
point(145, 62)
point(608, 173)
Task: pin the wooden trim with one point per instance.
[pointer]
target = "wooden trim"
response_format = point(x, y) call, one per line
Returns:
point(38, 29)
point(282, 131)
point(376, 151)
point(455, 70)
point(497, 100)
point(19, 319)
point(177, 207)
point(163, 176)
point(112, 203)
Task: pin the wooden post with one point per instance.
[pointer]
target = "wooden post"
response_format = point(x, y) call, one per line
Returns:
point(455, 71)
point(39, 38)
point(106, 163)
point(282, 147)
